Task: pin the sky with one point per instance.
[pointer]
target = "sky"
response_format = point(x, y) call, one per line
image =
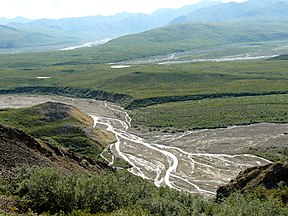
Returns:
point(55, 9)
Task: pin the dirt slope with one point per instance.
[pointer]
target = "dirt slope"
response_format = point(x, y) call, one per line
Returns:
point(268, 176)
point(19, 148)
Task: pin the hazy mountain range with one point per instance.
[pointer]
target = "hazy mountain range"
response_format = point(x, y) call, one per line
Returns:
point(260, 9)
point(24, 33)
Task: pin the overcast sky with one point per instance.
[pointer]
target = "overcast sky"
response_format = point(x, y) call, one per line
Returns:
point(36, 9)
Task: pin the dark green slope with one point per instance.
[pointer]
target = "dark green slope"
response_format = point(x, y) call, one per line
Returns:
point(185, 37)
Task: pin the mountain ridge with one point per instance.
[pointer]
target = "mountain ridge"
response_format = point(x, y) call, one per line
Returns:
point(236, 11)
point(65, 32)
point(92, 28)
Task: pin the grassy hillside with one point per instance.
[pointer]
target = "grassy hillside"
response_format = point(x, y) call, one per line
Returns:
point(58, 124)
point(185, 37)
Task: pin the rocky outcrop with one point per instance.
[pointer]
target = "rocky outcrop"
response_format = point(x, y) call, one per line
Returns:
point(268, 176)
point(19, 148)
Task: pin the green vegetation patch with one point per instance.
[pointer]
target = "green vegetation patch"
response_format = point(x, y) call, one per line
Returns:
point(50, 190)
point(212, 113)
point(271, 153)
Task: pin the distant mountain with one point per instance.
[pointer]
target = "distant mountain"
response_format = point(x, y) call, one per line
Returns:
point(11, 38)
point(274, 8)
point(74, 31)
point(264, 9)
point(164, 16)
point(5, 21)
point(217, 13)
point(100, 27)
point(91, 28)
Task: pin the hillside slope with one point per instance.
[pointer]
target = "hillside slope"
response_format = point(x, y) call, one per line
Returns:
point(185, 37)
point(19, 148)
point(269, 176)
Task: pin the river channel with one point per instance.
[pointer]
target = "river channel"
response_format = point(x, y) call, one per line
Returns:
point(194, 161)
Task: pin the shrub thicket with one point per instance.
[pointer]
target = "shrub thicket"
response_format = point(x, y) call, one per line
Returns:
point(53, 192)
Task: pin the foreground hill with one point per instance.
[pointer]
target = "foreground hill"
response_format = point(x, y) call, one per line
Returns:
point(271, 176)
point(21, 149)
point(63, 130)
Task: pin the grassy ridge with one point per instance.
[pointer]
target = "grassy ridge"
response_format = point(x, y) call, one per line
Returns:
point(55, 124)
